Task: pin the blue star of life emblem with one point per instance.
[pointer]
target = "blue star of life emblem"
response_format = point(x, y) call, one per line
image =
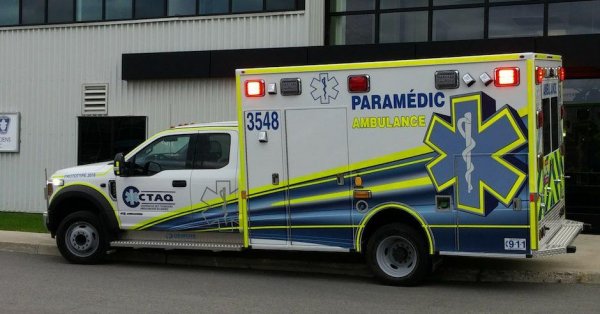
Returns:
point(473, 145)
point(4, 123)
point(131, 196)
point(324, 88)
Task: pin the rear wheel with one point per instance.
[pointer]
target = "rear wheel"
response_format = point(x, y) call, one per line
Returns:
point(397, 255)
point(81, 238)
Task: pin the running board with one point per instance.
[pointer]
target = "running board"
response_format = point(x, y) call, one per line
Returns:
point(212, 241)
point(172, 245)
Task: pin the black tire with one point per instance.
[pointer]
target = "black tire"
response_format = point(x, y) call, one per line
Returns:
point(81, 238)
point(397, 254)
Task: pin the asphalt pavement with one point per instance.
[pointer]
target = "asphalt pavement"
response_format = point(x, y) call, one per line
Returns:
point(580, 267)
point(48, 284)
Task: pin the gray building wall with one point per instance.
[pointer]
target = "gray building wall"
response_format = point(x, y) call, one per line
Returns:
point(43, 68)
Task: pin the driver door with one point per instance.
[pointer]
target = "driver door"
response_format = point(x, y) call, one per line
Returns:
point(159, 182)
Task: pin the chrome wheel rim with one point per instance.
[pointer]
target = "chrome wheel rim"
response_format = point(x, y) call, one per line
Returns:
point(396, 256)
point(82, 239)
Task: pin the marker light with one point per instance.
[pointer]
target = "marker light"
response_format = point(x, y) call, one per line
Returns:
point(255, 88)
point(561, 73)
point(539, 75)
point(505, 77)
point(468, 79)
point(485, 79)
point(359, 83)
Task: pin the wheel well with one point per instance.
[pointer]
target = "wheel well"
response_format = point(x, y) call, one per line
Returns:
point(69, 206)
point(387, 216)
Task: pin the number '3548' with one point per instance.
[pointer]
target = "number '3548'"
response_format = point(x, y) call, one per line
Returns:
point(259, 120)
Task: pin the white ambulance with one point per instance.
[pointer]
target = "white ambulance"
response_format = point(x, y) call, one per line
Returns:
point(399, 160)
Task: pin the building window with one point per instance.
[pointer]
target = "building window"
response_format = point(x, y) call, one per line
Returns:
point(403, 27)
point(281, 5)
point(572, 18)
point(516, 21)
point(89, 10)
point(238, 6)
point(353, 29)
point(455, 2)
point(214, 6)
point(147, 9)
point(60, 11)
point(119, 9)
point(33, 11)
point(9, 12)
point(447, 27)
point(351, 5)
point(353, 21)
point(181, 7)
point(400, 4)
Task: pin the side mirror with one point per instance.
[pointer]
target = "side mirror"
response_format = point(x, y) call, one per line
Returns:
point(120, 166)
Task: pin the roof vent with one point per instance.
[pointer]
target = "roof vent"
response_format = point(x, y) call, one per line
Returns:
point(95, 98)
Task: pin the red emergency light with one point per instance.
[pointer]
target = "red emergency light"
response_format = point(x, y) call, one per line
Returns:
point(255, 88)
point(506, 77)
point(539, 75)
point(359, 83)
point(561, 73)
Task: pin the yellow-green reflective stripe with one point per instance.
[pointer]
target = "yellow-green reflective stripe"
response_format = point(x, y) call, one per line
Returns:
point(482, 226)
point(304, 227)
point(386, 64)
point(346, 194)
point(390, 167)
point(199, 207)
point(532, 137)
point(97, 189)
point(404, 208)
point(217, 229)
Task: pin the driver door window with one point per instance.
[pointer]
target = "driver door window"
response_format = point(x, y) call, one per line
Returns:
point(166, 153)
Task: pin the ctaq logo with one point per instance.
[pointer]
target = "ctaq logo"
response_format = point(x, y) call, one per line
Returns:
point(4, 124)
point(156, 200)
point(131, 196)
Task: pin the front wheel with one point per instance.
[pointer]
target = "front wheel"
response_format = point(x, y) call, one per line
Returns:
point(397, 255)
point(81, 238)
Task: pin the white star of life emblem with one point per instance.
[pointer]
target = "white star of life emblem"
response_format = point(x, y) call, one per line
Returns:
point(324, 88)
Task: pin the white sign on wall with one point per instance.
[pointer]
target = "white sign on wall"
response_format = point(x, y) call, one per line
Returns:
point(9, 132)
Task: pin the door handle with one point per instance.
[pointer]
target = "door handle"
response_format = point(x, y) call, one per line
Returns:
point(179, 183)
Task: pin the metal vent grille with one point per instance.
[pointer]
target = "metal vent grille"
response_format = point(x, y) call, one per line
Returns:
point(95, 98)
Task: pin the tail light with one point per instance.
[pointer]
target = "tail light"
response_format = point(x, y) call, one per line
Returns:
point(540, 119)
point(563, 112)
point(561, 73)
point(506, 77)
point(539, 75)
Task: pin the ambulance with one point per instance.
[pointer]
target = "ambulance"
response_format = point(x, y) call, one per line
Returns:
point(402, 161)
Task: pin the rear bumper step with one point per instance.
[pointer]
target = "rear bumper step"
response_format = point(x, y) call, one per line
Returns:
point(560, 241)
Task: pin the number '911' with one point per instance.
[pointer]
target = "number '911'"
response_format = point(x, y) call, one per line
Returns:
point(259, 120)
